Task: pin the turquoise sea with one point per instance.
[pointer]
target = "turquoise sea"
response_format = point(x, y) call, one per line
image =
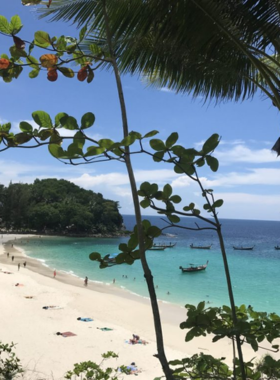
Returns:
point(255, 274)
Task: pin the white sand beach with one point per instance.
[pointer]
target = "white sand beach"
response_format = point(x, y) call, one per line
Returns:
point(44, 355)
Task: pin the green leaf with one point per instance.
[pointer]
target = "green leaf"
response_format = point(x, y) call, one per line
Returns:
point(158, 156)
point(22, 138)
point(95, 256)
point(218, 203)
point(128, 140)
point(82, 33)
point(17, 53)
point(175, 199)
point(56, 150)
point(120, 258)
point(150, 134)
point(94, 151)
point(210, 144)
point(34, 73)
point(206, 206)
point(15, 25)
point(60, 118)
point(167, 191)
point(25, 127)
point(154, 231)
point(123, 247)
point(5, 56)
point(44, 134)
point(68, 73)
point(145, 203)
point(136, 135)
point(69, 123)
point(172, 139)
point(132, 242)
point(79, 140)
point(213, 163)
point(173, 218)
point(74, 151)
point(157, 144)
point(90, 76)
point(42, 39)
point(42, 118)
point(4, 25)
point(87, 120)
point(200, 162)
point(105, 143)
point(33, 62)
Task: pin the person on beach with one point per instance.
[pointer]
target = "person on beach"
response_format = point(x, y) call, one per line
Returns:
point(13, 258)
point(18, 266)
point(54, 273)
point(8, 254)
point(86, 281)
point(24, 264)
point(114, 280)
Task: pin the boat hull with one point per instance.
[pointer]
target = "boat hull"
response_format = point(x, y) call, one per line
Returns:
point(200, 247)
point(243, 248)
point(193, 269)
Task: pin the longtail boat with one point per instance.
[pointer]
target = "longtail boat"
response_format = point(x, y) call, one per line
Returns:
point(277, 247)
point(201, 246)
point(241, 248)
point(156, 248)
point(163, 245)
point(194, 268)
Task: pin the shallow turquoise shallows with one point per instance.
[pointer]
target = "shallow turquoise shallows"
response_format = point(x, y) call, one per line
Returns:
point(255, 274)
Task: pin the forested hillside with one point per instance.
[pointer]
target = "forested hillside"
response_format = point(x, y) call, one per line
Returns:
point(57, 206)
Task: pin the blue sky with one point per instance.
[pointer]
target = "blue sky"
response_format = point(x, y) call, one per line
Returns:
point(248, 178)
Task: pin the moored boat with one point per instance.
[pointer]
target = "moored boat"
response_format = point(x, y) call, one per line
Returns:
point(153, 248)
point(201, 246)
point(163, 245)
point(241, 248)
point(194, 268)
point(277, 247)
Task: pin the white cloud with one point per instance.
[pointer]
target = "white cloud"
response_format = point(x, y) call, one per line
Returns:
point(263, 176)
point(241, 153)
point(249, 206)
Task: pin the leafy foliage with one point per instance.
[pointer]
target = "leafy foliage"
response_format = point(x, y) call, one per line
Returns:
point(10, 366)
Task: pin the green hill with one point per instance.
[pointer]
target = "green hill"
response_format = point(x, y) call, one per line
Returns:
point(57, 206)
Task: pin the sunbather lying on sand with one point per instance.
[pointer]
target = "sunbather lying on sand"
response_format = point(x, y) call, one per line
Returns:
point(66, 334)
point(85, 319)
point(136, 339)
point(130, 369)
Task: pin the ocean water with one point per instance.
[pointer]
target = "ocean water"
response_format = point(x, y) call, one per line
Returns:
point(255, 274)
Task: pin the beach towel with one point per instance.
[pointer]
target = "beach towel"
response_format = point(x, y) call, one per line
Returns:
point(66, 334)
point(104, 329)
point(85, 319)
point(140, 341)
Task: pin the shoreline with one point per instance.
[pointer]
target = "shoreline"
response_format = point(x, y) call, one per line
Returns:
point(24, 322)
